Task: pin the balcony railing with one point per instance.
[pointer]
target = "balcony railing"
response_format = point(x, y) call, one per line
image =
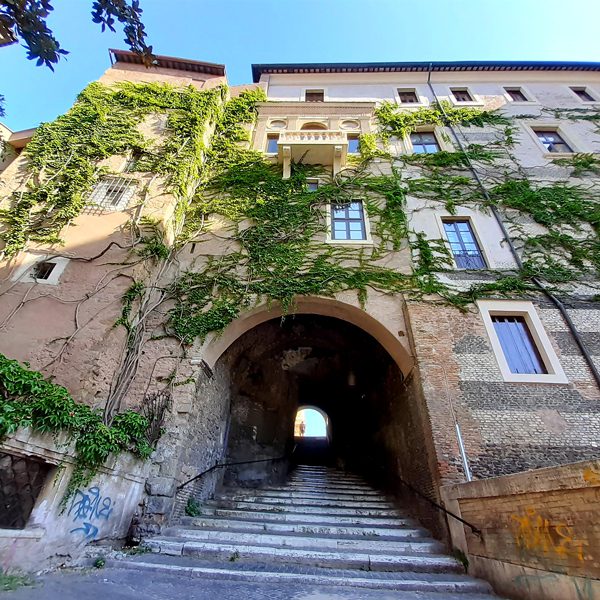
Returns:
point(313, 137)
point(321, 147)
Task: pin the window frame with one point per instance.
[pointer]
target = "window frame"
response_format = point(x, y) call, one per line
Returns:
point(271, 136)
point(421, 100)
point(353, 136)
point(368, 241)
point(312, 181)
point(475, 99)
point(586, 90)
point(309, 90)
point(525, 309)
point(532, 126)
point(97, 198)
point(437, 132)
point(529, 99)
point(26, 270)
point(482, 253)
point(560, 132)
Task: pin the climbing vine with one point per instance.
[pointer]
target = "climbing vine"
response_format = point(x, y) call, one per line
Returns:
point(277, 237)
point(29, 400)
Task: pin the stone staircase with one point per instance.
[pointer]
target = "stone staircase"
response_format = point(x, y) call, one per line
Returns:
point(324, 527)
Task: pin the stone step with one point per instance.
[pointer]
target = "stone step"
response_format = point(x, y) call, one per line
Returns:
point(325, 480)
point(406, 527)
point(313, 542)
point(453, 587)
point(294, 501)
point(302, 509)
point(312, 490)
point(357, 489)
point(423, 562)
point(286, 495)
point(301, 517)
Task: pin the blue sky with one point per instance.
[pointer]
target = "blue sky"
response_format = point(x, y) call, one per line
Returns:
point(240, 32)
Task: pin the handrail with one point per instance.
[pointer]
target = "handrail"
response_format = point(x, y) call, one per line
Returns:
point(474, 529)
point(231, 464)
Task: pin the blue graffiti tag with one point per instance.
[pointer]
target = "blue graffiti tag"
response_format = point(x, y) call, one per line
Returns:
point(88, 506)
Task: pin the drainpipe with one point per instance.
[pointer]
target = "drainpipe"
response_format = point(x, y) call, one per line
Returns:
point(559, 305)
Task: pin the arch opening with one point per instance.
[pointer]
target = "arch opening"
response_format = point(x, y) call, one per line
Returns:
point(279, 367)
point(311, 422)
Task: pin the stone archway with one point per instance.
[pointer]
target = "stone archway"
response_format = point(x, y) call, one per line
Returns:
point(389, 328)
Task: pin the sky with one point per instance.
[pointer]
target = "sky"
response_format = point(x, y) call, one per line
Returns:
point(241, 32)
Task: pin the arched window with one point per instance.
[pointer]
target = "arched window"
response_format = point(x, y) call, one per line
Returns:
point(310, 422)
point(314, 127)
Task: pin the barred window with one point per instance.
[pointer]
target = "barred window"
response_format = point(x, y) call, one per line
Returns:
point(113, 193)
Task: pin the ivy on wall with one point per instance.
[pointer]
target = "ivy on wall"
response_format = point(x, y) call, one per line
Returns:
point(278, 227)
point(29, 400)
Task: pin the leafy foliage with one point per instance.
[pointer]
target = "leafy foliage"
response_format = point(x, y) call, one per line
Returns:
point(26, 20)
point(29, 400)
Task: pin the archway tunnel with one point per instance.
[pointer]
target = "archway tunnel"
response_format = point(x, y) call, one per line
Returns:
point(375, 423)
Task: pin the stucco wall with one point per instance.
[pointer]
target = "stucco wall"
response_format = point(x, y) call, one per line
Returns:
point(54, 534)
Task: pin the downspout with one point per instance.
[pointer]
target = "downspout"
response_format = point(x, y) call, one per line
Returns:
point(559, 305)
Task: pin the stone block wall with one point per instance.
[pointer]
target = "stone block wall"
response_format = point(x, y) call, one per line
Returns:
point(507, 427)
point(540, 531)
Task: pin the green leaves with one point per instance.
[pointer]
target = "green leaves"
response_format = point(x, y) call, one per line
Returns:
point(29, 400)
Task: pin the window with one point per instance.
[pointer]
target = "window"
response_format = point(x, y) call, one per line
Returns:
point(552, 141)
point(462, 95)
point(522, 347)
point(21, 481)
point(133, 161)
point(353, 144)
point(348, 221)
point(408, 97)
point(314, 96)
point(518, 346)
point(583, 94)
point(424, 142)
point(463, 244)
point(113, 193)
point(312, 185)
point(272, 141)
point(516, 94)
point(42, 270)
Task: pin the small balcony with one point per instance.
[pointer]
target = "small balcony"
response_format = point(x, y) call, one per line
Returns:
point(321, 147)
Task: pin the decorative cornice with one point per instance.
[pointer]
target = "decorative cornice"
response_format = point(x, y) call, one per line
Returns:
point(169, 62)
point(402, 67)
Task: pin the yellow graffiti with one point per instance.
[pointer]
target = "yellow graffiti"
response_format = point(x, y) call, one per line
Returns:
point(591, 476)
point(536, 533)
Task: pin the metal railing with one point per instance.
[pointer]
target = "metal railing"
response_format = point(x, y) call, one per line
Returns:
point(439, 507)
point(232, 464)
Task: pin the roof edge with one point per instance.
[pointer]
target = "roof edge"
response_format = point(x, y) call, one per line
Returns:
point(168, 62)
point(434, 66)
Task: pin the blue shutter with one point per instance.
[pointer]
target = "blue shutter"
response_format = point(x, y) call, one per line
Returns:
point(518, 346)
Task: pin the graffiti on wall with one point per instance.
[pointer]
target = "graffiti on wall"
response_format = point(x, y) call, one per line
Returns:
point(88, 510)
point(591, 476)
point(536, 533)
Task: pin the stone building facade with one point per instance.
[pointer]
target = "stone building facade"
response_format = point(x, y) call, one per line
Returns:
point(422, 387)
